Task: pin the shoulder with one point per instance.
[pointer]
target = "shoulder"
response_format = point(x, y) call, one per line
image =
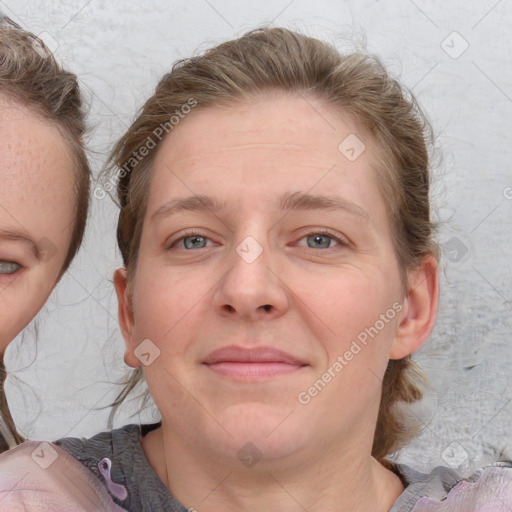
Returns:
point(104, 440)
point(119, 462)
point(443, 489)
point(90, 452)
point(41, 476)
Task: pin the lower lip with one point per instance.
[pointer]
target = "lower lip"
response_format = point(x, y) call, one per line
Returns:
point(242, 370)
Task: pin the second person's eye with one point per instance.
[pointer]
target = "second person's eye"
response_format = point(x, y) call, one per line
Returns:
point(8, 267)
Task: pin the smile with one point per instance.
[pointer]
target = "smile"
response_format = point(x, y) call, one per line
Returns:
point(252, 364)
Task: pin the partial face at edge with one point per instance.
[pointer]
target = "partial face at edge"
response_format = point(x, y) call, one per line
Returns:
point(36, 214)
point(307, 281)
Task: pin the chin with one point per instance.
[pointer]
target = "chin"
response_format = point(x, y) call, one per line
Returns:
point(263, 432)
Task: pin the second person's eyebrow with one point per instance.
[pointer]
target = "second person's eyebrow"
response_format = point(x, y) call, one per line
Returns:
point(20, 237)
point(287, 201)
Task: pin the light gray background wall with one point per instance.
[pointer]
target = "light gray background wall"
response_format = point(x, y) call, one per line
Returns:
point(120, 49)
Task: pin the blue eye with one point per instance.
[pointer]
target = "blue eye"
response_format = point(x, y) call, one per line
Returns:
point(190, 241)
point(9, 267)
point(194, 242)
point(322, 241)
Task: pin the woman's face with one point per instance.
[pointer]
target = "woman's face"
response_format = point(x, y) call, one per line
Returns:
point(265, 231)
point(36, 214)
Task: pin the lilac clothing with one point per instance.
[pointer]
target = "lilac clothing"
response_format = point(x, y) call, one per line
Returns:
point(492, 492)
point(36, 477)
point(489, 489)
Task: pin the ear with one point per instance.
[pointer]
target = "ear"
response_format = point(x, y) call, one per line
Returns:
point(126, 318)
point(420, 309)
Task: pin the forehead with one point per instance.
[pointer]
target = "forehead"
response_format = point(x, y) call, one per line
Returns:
point(36, 169)
point(31, 143)
point(283, 122)
point(265, 146)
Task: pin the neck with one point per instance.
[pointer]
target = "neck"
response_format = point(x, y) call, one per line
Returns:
point(341, 482)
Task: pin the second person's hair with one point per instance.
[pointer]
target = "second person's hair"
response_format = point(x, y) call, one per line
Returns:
point(31, 77)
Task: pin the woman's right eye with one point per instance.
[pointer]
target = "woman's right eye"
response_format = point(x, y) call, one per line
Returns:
point(9, 267)
point(191, 240)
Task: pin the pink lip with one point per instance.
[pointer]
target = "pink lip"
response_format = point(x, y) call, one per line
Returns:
point(260, 362)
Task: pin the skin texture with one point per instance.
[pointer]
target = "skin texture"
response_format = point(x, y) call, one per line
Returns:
point(308, 301)
point(36, 214)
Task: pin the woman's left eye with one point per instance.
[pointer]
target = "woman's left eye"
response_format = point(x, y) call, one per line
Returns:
point(320, 240)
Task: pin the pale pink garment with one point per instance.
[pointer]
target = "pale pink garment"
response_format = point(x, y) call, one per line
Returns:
point(492, 492)
point(40, 476)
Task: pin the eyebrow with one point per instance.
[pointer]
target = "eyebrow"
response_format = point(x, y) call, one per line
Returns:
point(302, 201)
point(285, 202)
point(20, 237)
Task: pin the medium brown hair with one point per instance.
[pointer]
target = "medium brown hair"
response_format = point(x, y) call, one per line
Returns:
point(31, 77)
point(276, 59)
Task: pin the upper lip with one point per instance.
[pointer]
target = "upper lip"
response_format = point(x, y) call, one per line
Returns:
point(233, 353)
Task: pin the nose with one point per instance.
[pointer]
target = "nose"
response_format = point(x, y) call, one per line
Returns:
point(251, 289)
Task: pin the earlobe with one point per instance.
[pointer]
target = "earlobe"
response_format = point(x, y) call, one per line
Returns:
point(126, 317)
point(420, 309)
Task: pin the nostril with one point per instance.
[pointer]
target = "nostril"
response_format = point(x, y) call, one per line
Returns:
point(231, 309)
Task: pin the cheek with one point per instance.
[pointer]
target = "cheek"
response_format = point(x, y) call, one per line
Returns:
point(349, 301)
point(19, 304)
point(165, 303)
point(354, 336)
point(356, 341)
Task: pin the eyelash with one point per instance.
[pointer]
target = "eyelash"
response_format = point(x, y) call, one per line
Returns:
point(324, 232)
point(191, 233)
